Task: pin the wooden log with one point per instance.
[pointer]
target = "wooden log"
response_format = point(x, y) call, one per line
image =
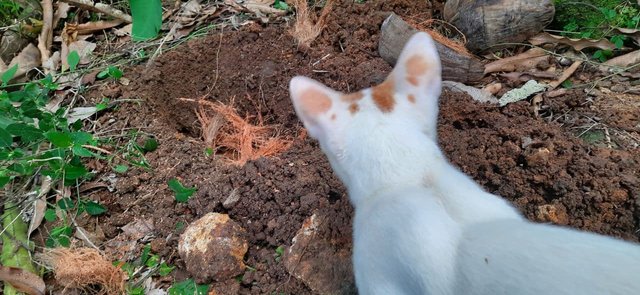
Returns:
point(455, 66)
point(488, 23)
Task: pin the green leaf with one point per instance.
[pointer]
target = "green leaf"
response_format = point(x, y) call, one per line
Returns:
point(279, 251)
point(26, 132)
point(182, 193)
point(72, 172)
point(59, 236)
point(147, 19)
point(188, 286)
point(280, 5)
point(150, 145)
point(50, 215)
point(115, 72)
point(165, 269)
point(5, 138)
point(59, 139)
point(208, 152)
point(94, 208)
point(120, 169)
point(73, 59)
point(4, 180)
point(567, 84)
point(136, 291)
point(8, 74)
point(145, 254)
point(153, 261)
point(66, 204)
point(80, 138)
point(618, 40)
point(82, 152)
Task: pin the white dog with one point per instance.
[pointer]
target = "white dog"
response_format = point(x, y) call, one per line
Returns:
point(423, 227)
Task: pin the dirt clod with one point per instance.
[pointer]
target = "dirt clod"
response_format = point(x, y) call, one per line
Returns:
point(213, 248)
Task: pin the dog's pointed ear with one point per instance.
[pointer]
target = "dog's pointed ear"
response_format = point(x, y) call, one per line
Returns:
point(313, 102)
point(418, 75)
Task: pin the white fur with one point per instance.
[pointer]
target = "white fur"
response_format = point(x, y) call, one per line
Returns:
point(423, 227)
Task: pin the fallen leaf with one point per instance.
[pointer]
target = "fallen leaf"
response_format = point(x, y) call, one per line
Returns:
point(526, 76)
point(518, 94)
point(475, 93)
point(40, 205)
point(84, 49)
point(80, 113)
point(631, 33)
point(22, 280)
point(91, 27)
point(60, 12)
point(124, 31)
point(622, 62)
point(27, 59)
point(521, 62)
point(577, 44)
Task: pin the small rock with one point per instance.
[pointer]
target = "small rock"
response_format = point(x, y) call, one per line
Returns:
point(232, 199)
point(618, 88)
point(619, 195)
point(228, 287)
point(552, 213)
point(538, 156)
point(213, 248)
point(313, 259)
point(564, 61)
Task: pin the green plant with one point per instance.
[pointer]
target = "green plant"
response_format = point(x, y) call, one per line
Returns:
point(182, 193)
point(111, 71)
point(278, 4)
point(147, 19)
point(9, 10)
point(188, 287)
point(279, 252)
point(596, 19)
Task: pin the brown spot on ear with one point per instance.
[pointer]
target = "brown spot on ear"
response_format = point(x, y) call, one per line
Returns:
point(416, 65)
point(413, 80)
point(354, 108)
point(314, 102)
point(333, 117)
point(352, 97)
point(383, 96)
point(412, 98)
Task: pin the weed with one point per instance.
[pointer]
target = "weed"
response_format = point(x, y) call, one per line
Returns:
point(188, 287)
point(182, 193)
point(279, 252)
point(9, 11)
point(595, 19)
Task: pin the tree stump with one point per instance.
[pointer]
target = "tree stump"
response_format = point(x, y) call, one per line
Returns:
point(395, 33)
point(487, 23)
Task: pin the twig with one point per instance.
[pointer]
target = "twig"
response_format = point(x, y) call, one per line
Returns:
point(101, 8)
point(46, 35)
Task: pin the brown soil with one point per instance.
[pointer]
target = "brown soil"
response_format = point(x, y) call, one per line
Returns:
point(542, 168)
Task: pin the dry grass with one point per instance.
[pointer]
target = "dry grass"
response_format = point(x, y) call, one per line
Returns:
point(85, 269)
point(232, 135)
point(441, 31)
point(307, 26)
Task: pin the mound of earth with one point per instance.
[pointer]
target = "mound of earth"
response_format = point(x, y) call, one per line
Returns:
point(543, 169)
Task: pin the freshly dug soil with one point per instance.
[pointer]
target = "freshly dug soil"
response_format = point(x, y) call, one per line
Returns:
point(544, 170)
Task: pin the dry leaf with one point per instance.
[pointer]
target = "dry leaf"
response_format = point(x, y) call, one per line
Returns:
point(84, 49)
point(40, 205)
point(622, 62)
point(52, 63)
point(22, 280)
point(577, 44)
point(475, 93)
point(521, 62)
point(60, 12)
point(526, 76)
point(27, 59)
point(631, 33)
point(124, 31)
point(91, 27)
point(518, 94)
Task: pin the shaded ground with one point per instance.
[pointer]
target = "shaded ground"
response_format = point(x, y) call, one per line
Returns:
point(541, 167)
